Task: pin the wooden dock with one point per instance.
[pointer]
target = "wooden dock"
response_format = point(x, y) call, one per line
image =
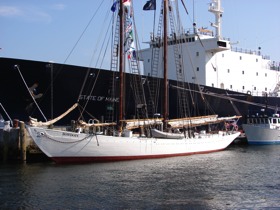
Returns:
point(17, 146)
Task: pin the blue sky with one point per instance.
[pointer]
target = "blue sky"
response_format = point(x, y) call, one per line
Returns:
point(48, 30)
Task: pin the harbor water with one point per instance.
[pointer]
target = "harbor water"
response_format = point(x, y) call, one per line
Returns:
point(240, 177)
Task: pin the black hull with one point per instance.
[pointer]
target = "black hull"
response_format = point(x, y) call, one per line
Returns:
point(61, 86)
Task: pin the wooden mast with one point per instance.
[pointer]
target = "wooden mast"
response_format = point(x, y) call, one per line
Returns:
point(121, 66)
point(165, 108)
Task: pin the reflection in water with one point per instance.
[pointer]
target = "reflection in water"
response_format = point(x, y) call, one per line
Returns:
point(240, 177)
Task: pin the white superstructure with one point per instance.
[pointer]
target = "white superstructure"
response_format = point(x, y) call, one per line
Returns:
point(211, 60)
point(263, 129)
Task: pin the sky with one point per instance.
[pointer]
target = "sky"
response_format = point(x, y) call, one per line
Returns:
point(68, 31)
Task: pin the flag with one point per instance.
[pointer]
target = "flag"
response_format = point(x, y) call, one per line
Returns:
point(150, 5)
point(128, 28)
point(114, 6)
point(126, 2)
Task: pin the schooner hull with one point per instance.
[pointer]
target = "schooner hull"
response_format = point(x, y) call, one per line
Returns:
point(69, 147)
point(259, 134)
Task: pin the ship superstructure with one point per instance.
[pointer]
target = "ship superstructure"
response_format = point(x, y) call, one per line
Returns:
point(210, 60)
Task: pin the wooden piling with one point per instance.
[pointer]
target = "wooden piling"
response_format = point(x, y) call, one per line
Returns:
point(22, 140)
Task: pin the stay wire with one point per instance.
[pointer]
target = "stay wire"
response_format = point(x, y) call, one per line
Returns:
point(17, 67)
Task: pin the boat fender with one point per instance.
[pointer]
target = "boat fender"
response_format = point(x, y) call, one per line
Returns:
point(249, 92)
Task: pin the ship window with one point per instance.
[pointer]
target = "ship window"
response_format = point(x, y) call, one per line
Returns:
point(223, 55)
point(228, 70)
point(148, 60)
point(242, 72)
point(222, 44)
point(257, 74)
point(255, 88)
point(197, 68)
point(240, 58)
point(257, 60)
point(212, 84)
point(243, 87)
point(179, 55)
point(265, 89)
point(193, 39)
point(266, 120)
point(266, 74)
point(230, 86)
point(197, 53)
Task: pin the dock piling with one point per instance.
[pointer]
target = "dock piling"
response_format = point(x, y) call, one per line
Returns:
point(22, 140)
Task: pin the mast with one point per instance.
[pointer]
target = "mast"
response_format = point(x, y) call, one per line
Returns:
point(165, 109)
point(215, 8)
point(121, 65)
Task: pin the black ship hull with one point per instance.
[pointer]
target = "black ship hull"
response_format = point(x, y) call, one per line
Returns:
point(61, 88)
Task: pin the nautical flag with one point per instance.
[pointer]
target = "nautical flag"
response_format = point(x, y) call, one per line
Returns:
point(126, 2)
point(128, 28)
point(150, 5)
point(114, 6)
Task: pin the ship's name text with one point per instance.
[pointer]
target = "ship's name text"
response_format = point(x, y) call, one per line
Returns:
point(70, 134)
point(99, 98)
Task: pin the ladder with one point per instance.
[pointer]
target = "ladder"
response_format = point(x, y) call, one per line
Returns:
point(136, 80)
point(182, 98)
point(110, 107)
point(154, 82)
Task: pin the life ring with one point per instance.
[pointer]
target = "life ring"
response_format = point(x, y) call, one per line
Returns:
point(249, 92)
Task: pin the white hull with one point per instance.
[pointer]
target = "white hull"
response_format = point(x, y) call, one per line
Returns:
point(66, 147)
point(261, 134)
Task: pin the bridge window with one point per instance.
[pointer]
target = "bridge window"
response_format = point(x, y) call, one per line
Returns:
point(222, 44)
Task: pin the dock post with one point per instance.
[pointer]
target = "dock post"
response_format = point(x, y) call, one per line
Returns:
point(22, 140)
point(6, 137)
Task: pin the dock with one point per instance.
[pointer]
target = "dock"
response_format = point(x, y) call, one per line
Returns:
point(17, 146)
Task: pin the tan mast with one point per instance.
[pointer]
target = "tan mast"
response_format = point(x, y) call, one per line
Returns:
point(165, 108)
point(121, 66)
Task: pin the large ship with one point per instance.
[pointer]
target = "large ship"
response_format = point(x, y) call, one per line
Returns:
point(224, 79)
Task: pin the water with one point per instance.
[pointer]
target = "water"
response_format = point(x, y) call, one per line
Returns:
point(241, 177)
